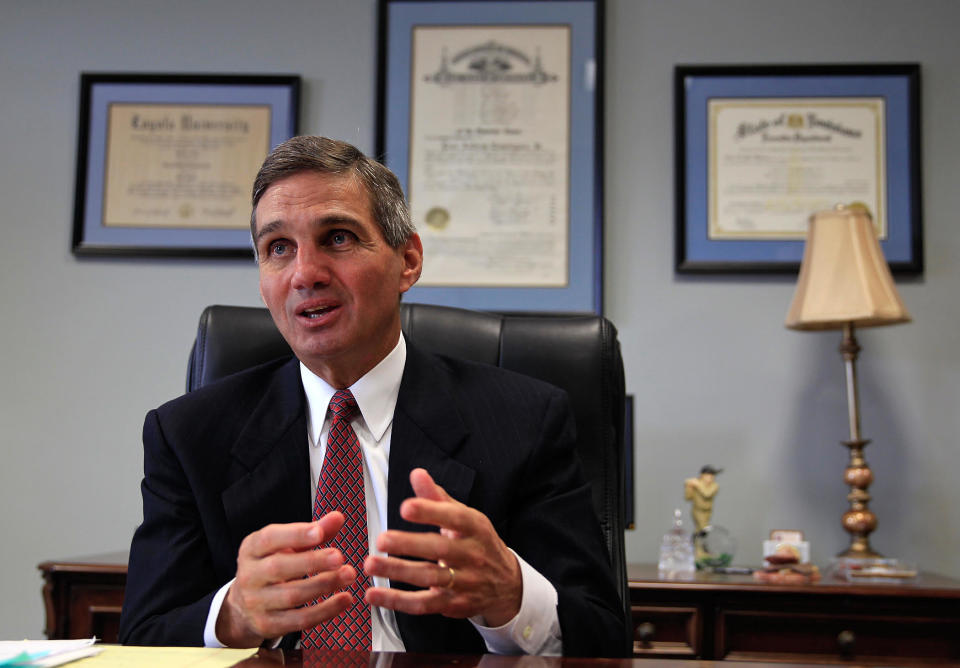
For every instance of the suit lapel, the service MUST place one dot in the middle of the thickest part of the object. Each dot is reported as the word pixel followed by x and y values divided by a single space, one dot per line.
pixel 427 432
pixel 270 463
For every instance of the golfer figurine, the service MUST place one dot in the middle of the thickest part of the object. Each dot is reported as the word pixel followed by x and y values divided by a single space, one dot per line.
pixel 700 491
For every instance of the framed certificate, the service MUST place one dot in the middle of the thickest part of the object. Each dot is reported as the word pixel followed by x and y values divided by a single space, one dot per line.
pixel 165 162
pixel 489 113
pixel 761 148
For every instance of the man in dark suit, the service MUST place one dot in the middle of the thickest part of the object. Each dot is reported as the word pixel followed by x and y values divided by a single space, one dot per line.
pixel 481 530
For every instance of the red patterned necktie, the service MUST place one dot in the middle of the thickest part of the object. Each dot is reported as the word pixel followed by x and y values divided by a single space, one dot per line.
pixel 341 488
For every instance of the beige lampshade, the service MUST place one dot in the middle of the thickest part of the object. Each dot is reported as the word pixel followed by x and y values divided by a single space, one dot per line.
pixel 844 277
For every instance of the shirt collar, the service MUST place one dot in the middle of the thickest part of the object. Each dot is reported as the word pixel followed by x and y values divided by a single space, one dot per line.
pixel 376 394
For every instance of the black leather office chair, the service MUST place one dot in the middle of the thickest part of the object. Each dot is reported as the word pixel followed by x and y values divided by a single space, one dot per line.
pixel 580 354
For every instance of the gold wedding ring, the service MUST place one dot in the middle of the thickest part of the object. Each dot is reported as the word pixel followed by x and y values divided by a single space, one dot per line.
pixel 453 574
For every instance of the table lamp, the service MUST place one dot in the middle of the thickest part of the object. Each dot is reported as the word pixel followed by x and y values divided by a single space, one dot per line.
pixel 845 283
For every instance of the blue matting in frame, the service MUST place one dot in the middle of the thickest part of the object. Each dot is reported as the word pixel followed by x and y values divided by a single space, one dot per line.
pixel 901 246
pixel 98 91
pixel 583 292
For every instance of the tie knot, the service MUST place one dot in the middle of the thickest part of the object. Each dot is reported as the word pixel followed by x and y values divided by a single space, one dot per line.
pixel 343 406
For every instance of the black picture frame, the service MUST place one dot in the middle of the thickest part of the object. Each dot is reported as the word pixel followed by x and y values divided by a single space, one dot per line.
pixel 184 176
pixel 583 290
pixel 699 90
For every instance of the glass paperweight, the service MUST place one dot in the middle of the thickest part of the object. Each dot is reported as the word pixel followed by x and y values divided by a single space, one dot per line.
pixel 714 547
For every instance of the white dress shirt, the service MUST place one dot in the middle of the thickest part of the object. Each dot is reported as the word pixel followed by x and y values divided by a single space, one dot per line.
pixel 535 629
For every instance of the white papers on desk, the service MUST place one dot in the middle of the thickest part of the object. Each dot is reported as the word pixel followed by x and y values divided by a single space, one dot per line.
pixel 45 652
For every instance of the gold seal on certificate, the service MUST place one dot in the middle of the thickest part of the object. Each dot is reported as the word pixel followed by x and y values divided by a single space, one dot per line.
pixel 437 218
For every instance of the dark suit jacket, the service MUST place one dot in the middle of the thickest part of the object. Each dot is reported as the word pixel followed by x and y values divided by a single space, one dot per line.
pixel 230 458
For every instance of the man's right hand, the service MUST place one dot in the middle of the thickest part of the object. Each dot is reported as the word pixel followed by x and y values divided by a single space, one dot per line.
pixel 279 575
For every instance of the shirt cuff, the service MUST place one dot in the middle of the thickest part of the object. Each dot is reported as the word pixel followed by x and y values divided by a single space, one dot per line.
pixel 210 628
pixel 536 628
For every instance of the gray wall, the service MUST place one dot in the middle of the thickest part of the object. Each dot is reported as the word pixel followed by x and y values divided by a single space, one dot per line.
pixel 90 345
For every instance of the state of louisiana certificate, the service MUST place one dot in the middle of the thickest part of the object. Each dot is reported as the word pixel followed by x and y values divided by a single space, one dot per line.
pixel 182 165
pixel 490 154
pixel 775 161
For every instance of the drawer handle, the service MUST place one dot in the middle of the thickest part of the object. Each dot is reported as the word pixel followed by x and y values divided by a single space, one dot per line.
pixel 847 641
pixel 645 632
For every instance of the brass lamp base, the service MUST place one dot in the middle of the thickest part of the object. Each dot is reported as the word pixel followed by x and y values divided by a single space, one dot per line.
pixel 859 521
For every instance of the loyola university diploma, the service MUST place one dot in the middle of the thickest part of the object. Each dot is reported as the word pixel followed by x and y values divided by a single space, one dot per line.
pixel 489 154
pixel 773 162
pixel 170 165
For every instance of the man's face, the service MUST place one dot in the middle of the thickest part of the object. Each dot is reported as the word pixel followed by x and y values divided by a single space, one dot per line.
pixel 330 280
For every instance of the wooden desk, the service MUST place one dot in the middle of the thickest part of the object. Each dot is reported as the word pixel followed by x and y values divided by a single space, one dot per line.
pixel 326 658
pixel 718 617
pixel 112 656
pixel 712 617
pixel 83 596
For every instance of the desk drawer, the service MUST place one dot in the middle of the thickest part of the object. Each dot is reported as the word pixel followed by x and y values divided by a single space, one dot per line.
pixel 767 635
pixel 95 611
pixel 667 630
pixel 81 605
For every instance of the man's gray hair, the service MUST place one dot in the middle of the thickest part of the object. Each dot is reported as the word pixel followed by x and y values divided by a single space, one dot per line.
pixel 329 156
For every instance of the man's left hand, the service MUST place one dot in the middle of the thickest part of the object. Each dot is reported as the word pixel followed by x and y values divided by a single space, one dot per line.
pixel 467 569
